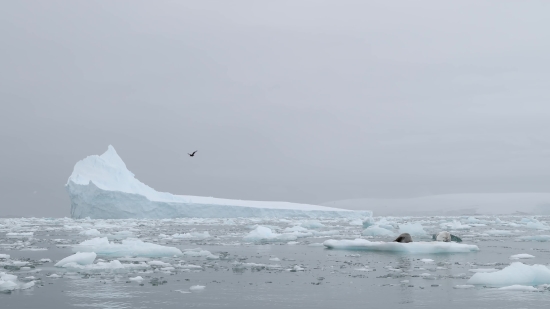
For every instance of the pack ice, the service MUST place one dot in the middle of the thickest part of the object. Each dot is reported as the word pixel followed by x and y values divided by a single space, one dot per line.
pixel 101 187
pixel 413 247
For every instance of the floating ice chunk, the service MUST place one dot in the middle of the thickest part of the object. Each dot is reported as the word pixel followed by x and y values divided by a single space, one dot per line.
pixel 427 260
pixel 296 229
pixel 384 223
pixel 193 235
pixel 159 264
pixel 9 282
pixel 137 278
pixel 464 286
pixel 366 269
pixel 4 256
pixel 499 232
pixel 7 285
pixel 517 287
pixel 483 270
pixel 190 266
pixel 541 238
pixel 516 273
pixel 197 288
pixel 275 259
pixel 521 256
pixel 473 220
pixel 368 222
pixel 312 224
pixel 262 233
pixel 113 266
pixel 415 229
pixel 375 230
pixel 91 232
pixel 413 247
pixel 537 225
pixel 356 222
pixel 45 260
pixel 81 258
pixel 198 252
pixel 13 234
pixel 455 225
pixel 128 247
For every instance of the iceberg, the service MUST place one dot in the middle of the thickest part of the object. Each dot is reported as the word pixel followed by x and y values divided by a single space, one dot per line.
pixel 128 247
pixel 101 187
pixel 515 274
pixel 412 247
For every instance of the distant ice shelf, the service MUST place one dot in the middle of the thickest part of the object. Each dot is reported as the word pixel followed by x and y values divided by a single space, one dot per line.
pixel 101 187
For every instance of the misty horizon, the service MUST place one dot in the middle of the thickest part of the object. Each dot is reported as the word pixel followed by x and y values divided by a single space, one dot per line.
pixel 306 102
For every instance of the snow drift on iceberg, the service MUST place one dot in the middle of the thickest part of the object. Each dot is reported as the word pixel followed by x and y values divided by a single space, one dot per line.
pixel 101 187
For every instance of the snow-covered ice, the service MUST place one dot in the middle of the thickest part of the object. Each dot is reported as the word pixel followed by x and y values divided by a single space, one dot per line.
pixel 375 230
pixel 521 256
pixel 262 233
pixel 128 247
pixel 102 187
pixel 413 247
pixel 516 273
pixel 81 258
pixel 517 287
pixel 413 228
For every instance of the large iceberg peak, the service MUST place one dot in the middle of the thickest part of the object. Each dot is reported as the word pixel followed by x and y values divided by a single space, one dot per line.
pixel 111 156
pixel 107 172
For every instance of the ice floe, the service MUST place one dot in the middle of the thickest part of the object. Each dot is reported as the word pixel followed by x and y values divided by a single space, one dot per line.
pixel 516 273
pixel 413 248
pixel 128 247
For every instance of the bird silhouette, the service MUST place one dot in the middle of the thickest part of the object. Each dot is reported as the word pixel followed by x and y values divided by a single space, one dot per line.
pixel 192 154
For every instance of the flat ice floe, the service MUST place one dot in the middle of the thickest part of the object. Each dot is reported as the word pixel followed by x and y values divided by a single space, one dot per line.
pixel 102 187
pixel 516 273
pixel 101 267
pixel 128 247
pixel 413 247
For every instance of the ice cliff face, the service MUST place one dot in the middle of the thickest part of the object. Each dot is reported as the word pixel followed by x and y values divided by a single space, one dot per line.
pixel 101 187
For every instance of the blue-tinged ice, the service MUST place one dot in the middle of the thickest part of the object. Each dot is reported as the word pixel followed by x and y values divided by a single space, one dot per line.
pixel 101 187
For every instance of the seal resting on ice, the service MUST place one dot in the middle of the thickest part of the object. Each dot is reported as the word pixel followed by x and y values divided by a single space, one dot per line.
pixel 404 238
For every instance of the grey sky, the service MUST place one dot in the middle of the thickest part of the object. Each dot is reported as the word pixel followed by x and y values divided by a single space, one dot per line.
pixel 305 101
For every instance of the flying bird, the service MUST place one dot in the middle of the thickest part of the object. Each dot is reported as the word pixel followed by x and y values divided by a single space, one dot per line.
pixel 192 154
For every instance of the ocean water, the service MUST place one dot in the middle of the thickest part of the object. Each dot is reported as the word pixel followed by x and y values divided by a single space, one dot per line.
pixel 275 274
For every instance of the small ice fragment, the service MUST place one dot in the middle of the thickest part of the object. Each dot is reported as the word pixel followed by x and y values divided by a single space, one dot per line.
pixel 137 278
pixel 464 286
pixel 91 232
pixel 197 288
pixel 521 256
pixel 517 287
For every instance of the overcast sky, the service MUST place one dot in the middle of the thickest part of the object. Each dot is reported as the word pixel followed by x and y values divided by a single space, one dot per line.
pixel 304 101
